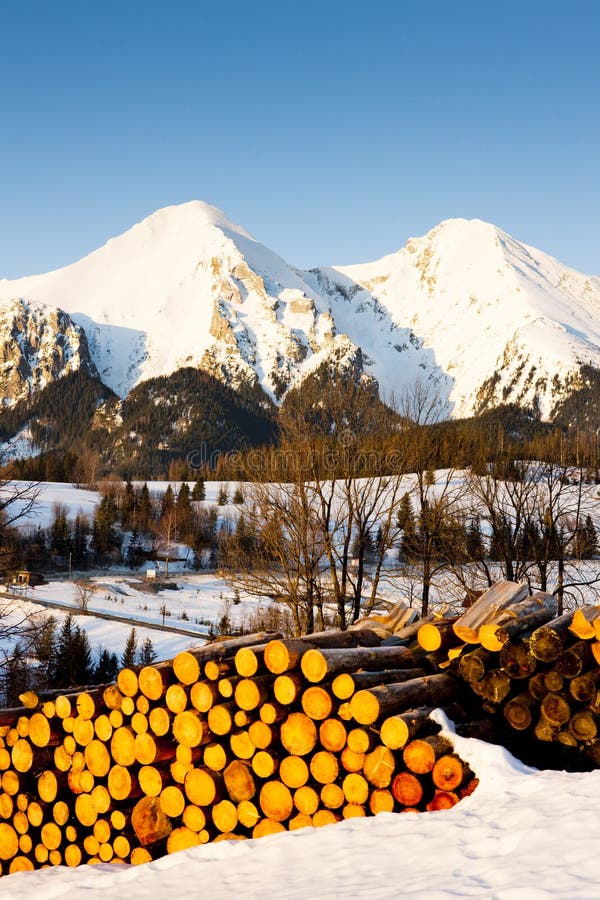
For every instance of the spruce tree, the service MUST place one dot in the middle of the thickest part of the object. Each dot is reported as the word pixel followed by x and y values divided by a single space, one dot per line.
pixel 16 676
pixel 44 646
pixel 73 656
pixel 168 501
pixel 106 667
pixel 199 491
pixel 184 510
pixel 128 658
pixel 145 508
pixel 147 653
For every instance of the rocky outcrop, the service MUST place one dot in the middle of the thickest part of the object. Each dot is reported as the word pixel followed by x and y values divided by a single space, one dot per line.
pixel 38 344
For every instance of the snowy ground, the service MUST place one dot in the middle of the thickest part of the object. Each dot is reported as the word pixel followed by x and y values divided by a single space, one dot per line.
pixel 523 835
pixel 199 603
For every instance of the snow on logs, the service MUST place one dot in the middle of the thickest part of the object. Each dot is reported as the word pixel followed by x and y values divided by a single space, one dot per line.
pixel 235 740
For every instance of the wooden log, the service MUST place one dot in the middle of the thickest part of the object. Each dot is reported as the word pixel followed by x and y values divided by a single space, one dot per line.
pixel 351 760
pixel 586 623
pixel 448 772
pixel 248 814
pixel 293 771
pixel 251 692
pixel 280 656
pixel 573 661
pixel 172 801
pixel 516 660
pixel 584 687
pixel 397 730
pixel 261 734
pixel 518 711
pixel 333 735
pixel 472 666
pixel 189 729
pixel 517 619
pixel 317 703
pixel 494 686
pixel 556 709
pixel 379 766
pixel 149 821
pixel 241 745
pixel 365 680
pixel 360 740
pixel 407 789
pixel 355 788
pixel 486 609
pixel 306 799
pixel 582 725
pixel 316 665
pixel 298 734
pixel 287 688
pixel 548 642
pixel 263 764
pixel 381 800
pixel 442 800
pixel 275 800
pixel 186 668
pixel 200 787
pixel 368 706
pixel 324 767
pixel 437 635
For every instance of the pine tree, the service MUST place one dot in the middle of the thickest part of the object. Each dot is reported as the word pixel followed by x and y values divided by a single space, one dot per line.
pixel 184 510
pixel 80 537
pixel 73 656
pixel 128 505
pixel 128 658
pixel 199 491
pixel 145 508
pixel 474 542
pixel 238 496
pixel 104 537
pixel 222 496
pixel 168 502
pixel 106 668
pixel 44 646
pixel 147 653
pixel 16 677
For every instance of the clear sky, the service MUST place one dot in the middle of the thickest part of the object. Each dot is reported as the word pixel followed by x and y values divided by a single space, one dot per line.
pixel 332 131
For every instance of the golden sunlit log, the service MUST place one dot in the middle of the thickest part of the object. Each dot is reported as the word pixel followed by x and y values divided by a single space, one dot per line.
pixel 486 608
pixel 282 655
pixel 369 705
pixel 317 665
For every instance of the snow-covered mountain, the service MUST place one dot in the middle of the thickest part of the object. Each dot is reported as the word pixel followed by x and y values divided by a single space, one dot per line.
pixel 486 318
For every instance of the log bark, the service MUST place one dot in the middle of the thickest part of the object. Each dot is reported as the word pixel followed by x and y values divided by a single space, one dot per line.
pixel 367 706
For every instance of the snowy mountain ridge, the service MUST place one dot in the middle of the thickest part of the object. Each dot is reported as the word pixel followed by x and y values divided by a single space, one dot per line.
pixel 485 318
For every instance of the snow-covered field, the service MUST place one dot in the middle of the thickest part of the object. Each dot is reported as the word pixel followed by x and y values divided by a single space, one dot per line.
pixel 523 835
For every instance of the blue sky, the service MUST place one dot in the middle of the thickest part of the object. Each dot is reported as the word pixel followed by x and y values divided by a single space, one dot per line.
pixel 331 130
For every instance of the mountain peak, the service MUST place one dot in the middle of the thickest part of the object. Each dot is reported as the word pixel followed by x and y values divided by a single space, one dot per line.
pixel 191 216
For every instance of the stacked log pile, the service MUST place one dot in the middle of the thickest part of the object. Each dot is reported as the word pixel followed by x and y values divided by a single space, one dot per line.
pixel 258 734
pixel 235 740
pixel 536 674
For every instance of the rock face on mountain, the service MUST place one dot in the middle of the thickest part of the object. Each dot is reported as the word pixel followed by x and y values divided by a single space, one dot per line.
pixel 38 344
pixel 482 317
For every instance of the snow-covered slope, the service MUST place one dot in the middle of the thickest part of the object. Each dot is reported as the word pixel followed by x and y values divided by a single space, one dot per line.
pixel 486 318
